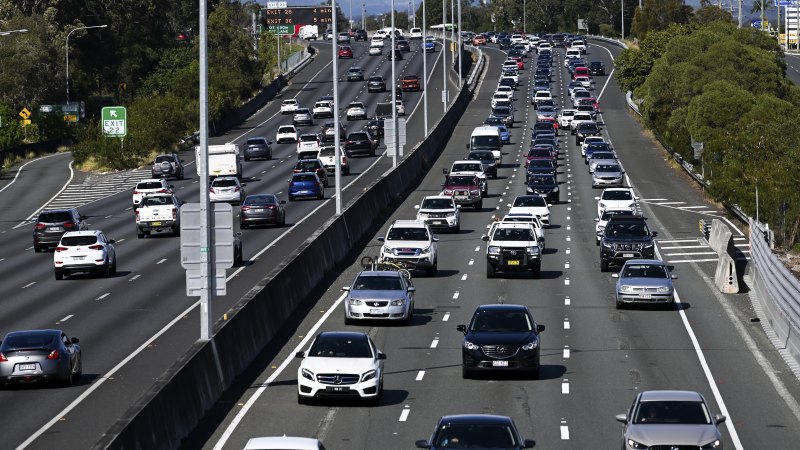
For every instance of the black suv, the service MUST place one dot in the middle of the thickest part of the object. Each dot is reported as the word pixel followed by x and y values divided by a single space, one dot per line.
pixel 544 185
pixel 167 165
pixel 625 237
pixel 361 35
pixel 257 147
pixel 52 224
pixel 360 142
pixel 586 129
pixel 597 68
pixel 376 84
pixel 375 129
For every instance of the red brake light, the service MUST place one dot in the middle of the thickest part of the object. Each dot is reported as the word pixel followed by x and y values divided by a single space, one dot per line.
pixel 245 208
pixel 135 192
pixel 270 206
pixel 174 213
pixel 61 249
pixel 96 247
pixel 53 354
pixel 236 189
pixel 163 191
pixel 211 190
pixel 3 358
pixel 40 226
pixel 291 183
pixel 69 224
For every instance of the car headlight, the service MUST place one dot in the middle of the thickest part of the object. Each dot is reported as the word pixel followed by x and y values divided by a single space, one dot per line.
pixel 474 192
pixel 531 345
pixel 602 205
pixel 355 302
pixel 647 245
pixel 470 346
pixel 426 249
pixel 307 374
pixel 663 289
pixel 529 190
pixel 555 189
pixel 607 245
pixel 625 288
pixel 494 250
pixel 386 249
pixel 398 302
pixel 634 444
pixel 716 443
pixel 533 250
pixel 368 375
pixel 448 192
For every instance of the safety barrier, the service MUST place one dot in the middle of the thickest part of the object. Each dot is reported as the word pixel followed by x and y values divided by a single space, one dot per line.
pixel 721 241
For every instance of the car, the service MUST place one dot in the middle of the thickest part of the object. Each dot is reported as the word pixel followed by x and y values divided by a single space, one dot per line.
pixel 327 155
pixel 345 52
pixel 413 242
pixel 544 185
pixel 625 238
pixel 283 442
pixel 475 431
pixel 596 147
pixel 504 43
pixel 257 147
pixel 167 165
pixel 577 95
pixel 305 184
pixel 487 159
pixel 150 186
pixel 505 114
pixel 410 83
pixel 355 74
pixel 474 167
pixel 376 84
pixel 546 112
pixel 585 129
pixel 51 224
pixel 578 118
pixel 510 64
pixel 32 356
pixel 439 211
pixel 585 81
pixel 540 167
pixel 565 117
pixel 402 45
pixel 597 68
pixel 532 204
pixel 616 198
pixel 512 247
pixel 328 35
pixel 343 37
pixel 356 111
pixel 160 212
pixel 479 39
pixel 226 189
pixel 286 133
pixel 379 295
pixel 341 364
pixel 375 129
pixel 645 282
pixel 670 420
pixel 501 338
pixel 602 221
pixel 505 134
pixel 608 175
pixel 377 41
pixel 596 158
pixel 360 142
pixel 430 44
pixel 511 73
pixel 415 33
pixel 322 109
pixel 302 116
pixel 308 145
pixel 289 106
pixel 312 165
pixel 464 189
pixel 361 35
pixel 396 54
pixel 375 50
pixel 262 209
pixel 538 96
pixel 327 132
pixel 589 140
pixel 84 251
pixel 498 96
pixel 401 109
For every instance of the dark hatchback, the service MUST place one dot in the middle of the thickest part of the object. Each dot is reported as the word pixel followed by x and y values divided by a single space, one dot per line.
pixel 360 142
pixel 257 147
pixel 313 166
pixel 52 224
pixel 597 68
pixel 624 238
pixel 586 129
pixel 262 209
pixel 544 185
pixel 501 338
pixel 376 84
pixel 505 114
pixel 402 45
pixel 476 431
pixel 486 157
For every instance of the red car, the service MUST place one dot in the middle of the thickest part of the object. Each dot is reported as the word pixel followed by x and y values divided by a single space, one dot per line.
pixel 580 72
pixel 590 101
pixel 479 40
pixel 465 190
pixel 539 153
pixel 520 62
pixel 345 52
pixel 410 83
pixel 552 120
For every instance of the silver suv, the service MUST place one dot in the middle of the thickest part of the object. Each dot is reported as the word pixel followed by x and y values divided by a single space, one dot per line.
pixel 412 242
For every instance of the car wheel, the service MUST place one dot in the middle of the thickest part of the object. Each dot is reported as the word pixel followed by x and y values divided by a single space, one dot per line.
pixel 139 235
pixel 70 380
pixel 535 373
pixel 79 372
pixel 243 226
pixel 176 231
pixel 603 266
pixel 465 373
pixel 669 306
pixel 489 271
pixel 114 266
pixel 59 274
pixel 106 270
pixel 619 304
pixel 479 206
pixel 291 198
pixel 457 229
pixel 431 272
pixel 247 158
pixel 301 400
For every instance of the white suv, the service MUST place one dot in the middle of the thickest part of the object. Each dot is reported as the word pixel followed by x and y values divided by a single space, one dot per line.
pixel 84 251
pixel 286 133
pixel 340 364
pixel 289 106
pixel 439 211
pixel 322 109
pixel 415 33
pixel 470 167
pixel 410 241
pixel 150 186
pixel 617 198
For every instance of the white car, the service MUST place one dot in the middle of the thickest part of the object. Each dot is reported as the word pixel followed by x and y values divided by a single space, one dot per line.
pixel 578 95
pixel 538 96
pixel 289 106
pixel 616 198
pixel 517 38
pixel 415 33
pixel 84 251
pixel 473 168
pixel 509 64
pixel 579 117
pixel 532 204
pixel 585 81
pixel 322 109
pixel 283 443
pixel 513 74
pixel 410 241
pixel 377 41
pixel 527 218
pixel 507 90
pixel 150 186
pixel 590 140
pixel 544 46
pixel 565 118
pixel 307 144
pixel 340 364
pixel 439 211
pixel 226 189
pixel 356 110
pixel 375 50
pixel 401 109
pixel 499 97
pixel 286 133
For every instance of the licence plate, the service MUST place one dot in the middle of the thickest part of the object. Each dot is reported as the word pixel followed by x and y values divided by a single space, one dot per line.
pixel 461 197
pixel 26 367
pixel 78 258
pixel 627 255
pixel 438 222
pixel 53 228
pixel 155 224
pixel 499 363
pixel 337 388
pixel 645 296
pixel 375 311
pixel 258 210
pixel 513 262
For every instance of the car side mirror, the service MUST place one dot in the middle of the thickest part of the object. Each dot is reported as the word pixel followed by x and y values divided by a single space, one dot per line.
pixel 539 328
pixel 485 238
pixel 346 288
pixel 282 202
pixel 597 219
pixel 622 418
pixel 381 355
pixel 182 161
pixel 529 443
pixel 674 277
pixel 412 289
pixel 462 328
pixel 111 241
pixel 467 146
pixel 435 239
pixel 458 206
pixel 300 354
pixel 614 275
pixel 416 206
pixel 422 444
pixel 381 239
pixel 75 340
pixel 719 418
pixel 447 171
pixel 654 233
pixel 597 198
pixel 84 217
pixel 244 184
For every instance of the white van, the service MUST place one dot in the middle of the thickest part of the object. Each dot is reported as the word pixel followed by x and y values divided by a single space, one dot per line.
pixel 223 161
pixel 415 33
pixel 571 53
pixel 487 137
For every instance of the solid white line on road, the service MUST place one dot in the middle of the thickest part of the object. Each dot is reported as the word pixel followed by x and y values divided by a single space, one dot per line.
pixel 120 240
pixel 67 318
pixel 103 296
pixel 669 203
pixel 435 343
pixel 455 295
pixel 674 261
pixel 477 249
pixel 566 323
pixel 672 241
pixel 135 277
pixel 129 208
pixel 108 216
pixel 688 253
pixel 653 199
pixel 405 413
pixel 463 277
pixel 29 285
pixel 420 375
pixel 446 317
pixel 161 261
pixel 566 281
pixel 565 386
pixel 23 166
pixel 694 207
pixel 568 251
pixel 674 247
pixel 564 432
pixel 71 175
pixel 29 248
pixel 565 353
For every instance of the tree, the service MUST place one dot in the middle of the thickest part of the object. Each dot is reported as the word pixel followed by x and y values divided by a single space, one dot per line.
pixel 709 12
pixel 658 15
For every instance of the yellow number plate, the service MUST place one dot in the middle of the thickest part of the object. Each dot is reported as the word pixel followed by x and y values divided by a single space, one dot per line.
pixel 513 262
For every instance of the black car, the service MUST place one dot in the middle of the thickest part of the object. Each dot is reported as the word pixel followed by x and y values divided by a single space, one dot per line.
pixel 597 68
pixel 262 209
pixel 360 142
pixel 501 338
pixel 543 72
pixel 509 82
pixel 376 84
pixel 544 185
pixel 397 54
pixel 257 147
pixel 505 114
pixel 540 167
pixel 543 126
pixel 167 165
pixel 52 224
pixel 586 129
pixel 375 129
pixel 596 147
pixel 476 431
pixel 402 45
pixel 487 160
pixel 624 238
pixel 504 43
pixel 327 133
pixel 361 35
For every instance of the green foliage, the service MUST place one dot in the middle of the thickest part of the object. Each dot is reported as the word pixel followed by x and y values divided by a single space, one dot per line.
pixel 607 30
pixel 11 133
pixel 658 15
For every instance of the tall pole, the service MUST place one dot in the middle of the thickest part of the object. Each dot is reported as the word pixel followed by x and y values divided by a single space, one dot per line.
pixel 350 17
pixel 364 16
pixel 444 55
pixel 337 152
pixel 525 16
pixel 278 40
pixel 460 52
pixel 622 14
pixel 414 12
pixel 740 13
pixel 396 133
pixel 207 268
pixel 66 47
pixel 424 70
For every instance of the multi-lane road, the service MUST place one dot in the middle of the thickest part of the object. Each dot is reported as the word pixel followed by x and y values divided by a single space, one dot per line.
pixel 595 358
pixel 134 325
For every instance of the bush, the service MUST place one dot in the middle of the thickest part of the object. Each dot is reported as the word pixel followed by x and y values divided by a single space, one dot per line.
pixel 607 30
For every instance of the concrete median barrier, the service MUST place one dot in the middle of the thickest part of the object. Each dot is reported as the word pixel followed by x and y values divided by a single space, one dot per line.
pixel 720 240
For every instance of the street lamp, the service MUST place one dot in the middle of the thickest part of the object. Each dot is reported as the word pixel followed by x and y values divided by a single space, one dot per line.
pixel 6 33
pixel 66 50
pixel 425 68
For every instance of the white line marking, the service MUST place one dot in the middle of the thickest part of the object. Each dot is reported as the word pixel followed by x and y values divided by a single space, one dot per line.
pixel 67 318
pixel 569 238
pixel 455 295
pixel 564 433
pixel 694 207
pixel 463 277
pixel 566 324
pixel 566 265
pixel 29 285
pixel 567 251
pixel 672 241
pixel 567 301
pixel 161 261
pixel 688 253
pixel 23 166
pixel 675 261
pixel 668 203
pixel 446 317
pixel 565 387
pixel 477 249
pixel 405 413
pixel 566 352
pixel 135 277
pixel 674 247
pixel 566 281
pixel 420 375
pixel 471 262
pixel 435 343
pixel 103 296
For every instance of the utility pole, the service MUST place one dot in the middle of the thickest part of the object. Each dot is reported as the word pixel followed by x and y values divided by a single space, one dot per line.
pixel 396 133
pixel 207 269
pixel 460 52
pixel 622 13
pixel 740 13
pixel 337 151
pixel 424 70
pixel 444 55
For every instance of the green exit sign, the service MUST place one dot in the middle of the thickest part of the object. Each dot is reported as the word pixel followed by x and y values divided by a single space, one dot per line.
pixel 281 29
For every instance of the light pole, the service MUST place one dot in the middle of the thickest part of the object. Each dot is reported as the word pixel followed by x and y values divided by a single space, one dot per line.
pixel 66 50
pixel 396 132
pixel 525 16
pixel 444 56
pixel 424 70
pixel 207 269
pixel 622 14
pixel 6 33
pixel 460 52
pixel 337 152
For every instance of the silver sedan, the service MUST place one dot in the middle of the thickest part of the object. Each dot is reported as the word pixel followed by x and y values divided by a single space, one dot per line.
pixel 38 356
pixel 379 295
pixel 645 281
pixel 608 175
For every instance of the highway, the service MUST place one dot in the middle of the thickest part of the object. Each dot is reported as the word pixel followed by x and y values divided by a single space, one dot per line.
pixel 134 325
pixel 595 358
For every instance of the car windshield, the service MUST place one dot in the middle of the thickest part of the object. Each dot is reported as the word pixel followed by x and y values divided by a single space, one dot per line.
pixel 29 340
pixel 437 203
pixel 256 141
pixel 358 137
pixel 461 435
pixel 286 130
pixel 481 156
pixel 529 200
pixel 376 79
pixel 308 138
pixel 354 70
pixel 501 321
pixel 617 195
pixel 260 200
pixel 644 271
pixel 149 185
pixel 461 181
pixel 607 168
pixel 602 155
pixel 513 234
pixel 541 163
pixel 541 181
pixel 304 177
pixel 546 109
pixel 307 166
pixel 53 217
pixel 327 151
pixel 377 283
pixel 340 347
pixel 74 241
pixel 225 182
pixel 543 126
pixel 302 111
pixel 356 105
pixel 539 153
pixel 467 167
pixel 485 142
pixel 157 201
pixel 672 413
pixel 587 127
pixel 614 212
pixel 635 229
pixel 501 111
pixel 407 234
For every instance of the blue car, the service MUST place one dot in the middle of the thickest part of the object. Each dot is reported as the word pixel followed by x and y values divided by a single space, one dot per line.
pixel 305 184
pixel 430 45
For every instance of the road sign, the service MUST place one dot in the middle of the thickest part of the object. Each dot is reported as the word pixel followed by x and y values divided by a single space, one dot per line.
pixel 25 113
pixel 303 15
pixel 114 120
pixel 273 5
pixel 222 237
pixel 25 122
pixel 786 2
pixel 70 118
pixel 281 29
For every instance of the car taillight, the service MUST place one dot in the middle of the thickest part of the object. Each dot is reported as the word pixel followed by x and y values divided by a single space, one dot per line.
pixel 291 183
pixel 96 247
pixel 174 214
pixel 61 249
pixel 270 206
pixel 136 192
pixel 40 226
pixel 344 159
pixel 163 191
pixel 3 358
pixel 68 224
pixel 211 190
pixel 236 189
pixel 53 354
pixel 349 142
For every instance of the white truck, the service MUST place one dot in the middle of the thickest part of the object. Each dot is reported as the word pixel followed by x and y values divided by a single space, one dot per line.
pixel 512 247
pixel 308 32
pixel 159 212
pixel 223 161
